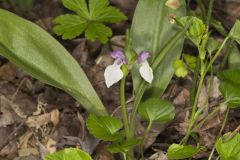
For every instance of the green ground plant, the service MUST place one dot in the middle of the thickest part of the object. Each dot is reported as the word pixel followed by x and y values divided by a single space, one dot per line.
pixel 40 55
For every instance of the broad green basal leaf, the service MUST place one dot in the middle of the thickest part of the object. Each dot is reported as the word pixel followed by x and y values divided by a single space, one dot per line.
pixel 212 45
pixel 105 127
pixel 157 110
pixel 176 151
pixel 69 154
pixel 235 31
pixel 40 55
pixel 151 31
pixel 229 150
pixel 234 57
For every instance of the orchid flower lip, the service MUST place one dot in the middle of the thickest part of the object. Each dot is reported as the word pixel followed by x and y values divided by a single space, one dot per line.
pixel 143 56
pixel 118 55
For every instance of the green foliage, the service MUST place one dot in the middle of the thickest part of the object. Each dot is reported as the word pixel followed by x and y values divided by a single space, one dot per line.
pixel 176 151
pixel 154 34
pixel 212 45
pixel 157 110
pixel 40 55
pixel 234 57
pixel 89 19
pixel 196 30
pixel 191 61
pixel 180 68
pixel 124 147
pixel 105 127
pixel 229 87
pixel 229 150
pixel 69 154
pixel 235 31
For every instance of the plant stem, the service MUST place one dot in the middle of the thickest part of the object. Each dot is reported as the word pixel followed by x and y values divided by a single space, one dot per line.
pixel 220 133
pixel 144 137
pixel 209 14
pixel 216 55
pixel 123 106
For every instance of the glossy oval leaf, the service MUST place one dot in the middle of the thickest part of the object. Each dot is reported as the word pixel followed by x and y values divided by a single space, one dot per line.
pixel 229 150
pixel 177 151
pixel 68 154
pixel 151 31
pixel 104 127
pixel 40 55
pixel 157 110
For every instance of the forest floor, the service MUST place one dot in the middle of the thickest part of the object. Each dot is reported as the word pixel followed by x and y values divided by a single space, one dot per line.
pixel 36 118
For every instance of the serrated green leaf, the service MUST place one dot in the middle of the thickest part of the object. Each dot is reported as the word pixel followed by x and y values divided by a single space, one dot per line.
pixel 152 31
pixel 176 151
pixel 124 147
pixel 111 15
pixel 157 110
pixel 196 30
pixel 105 128
pixel 235 31
pixel 212 45
pixel 89 20
pixel 229 150
pixel 180 68
pixel 191 61
pixel 69 26
pixel 78 6
pixel 40 55
pixel 231 94
pixel 98 31
pixel 68 154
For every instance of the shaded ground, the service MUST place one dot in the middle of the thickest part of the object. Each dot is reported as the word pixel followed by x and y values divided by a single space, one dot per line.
pixel 36 119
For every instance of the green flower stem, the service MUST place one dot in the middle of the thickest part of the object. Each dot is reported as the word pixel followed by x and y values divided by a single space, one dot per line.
pixel 123 106
pixel 193 117
pixel 220 133
pixel 144 138
pixel 216 55
pixel 199 125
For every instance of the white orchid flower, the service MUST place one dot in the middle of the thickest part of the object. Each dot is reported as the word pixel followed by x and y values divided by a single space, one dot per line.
pixel 113 73
pixel 145 70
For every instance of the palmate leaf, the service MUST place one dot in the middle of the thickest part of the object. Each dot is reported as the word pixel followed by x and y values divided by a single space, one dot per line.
pixel 40 55
pixel 68 154
pixel 89 20
pixel 104 127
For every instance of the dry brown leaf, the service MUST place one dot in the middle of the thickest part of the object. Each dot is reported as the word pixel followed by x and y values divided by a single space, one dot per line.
pixel 159 155
pixel 51 145
pixel 27 152
pixel 23 140
pixel 38 121
pixel 55 117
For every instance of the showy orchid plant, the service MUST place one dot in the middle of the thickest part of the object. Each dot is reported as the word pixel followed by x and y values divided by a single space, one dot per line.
pixel 113 73
pixel 152 55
